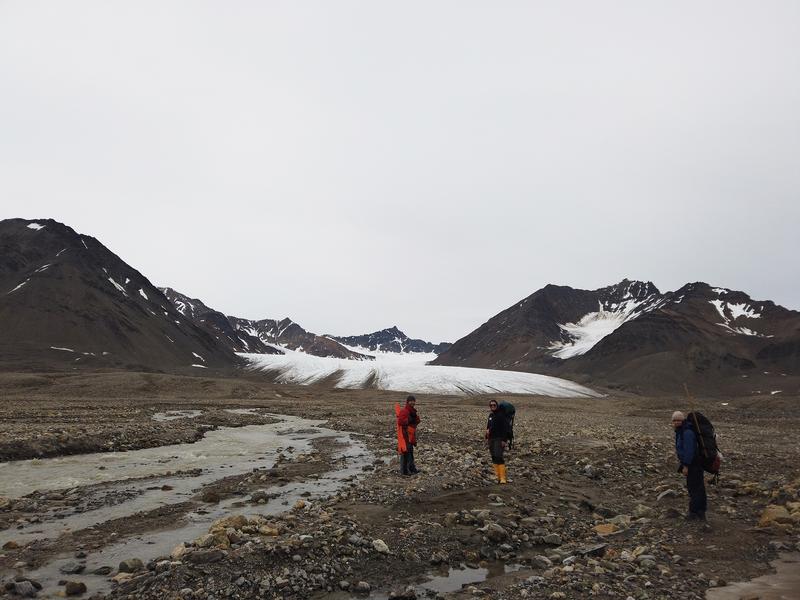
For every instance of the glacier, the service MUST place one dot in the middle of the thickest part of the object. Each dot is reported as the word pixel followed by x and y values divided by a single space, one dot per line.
pixel 409 373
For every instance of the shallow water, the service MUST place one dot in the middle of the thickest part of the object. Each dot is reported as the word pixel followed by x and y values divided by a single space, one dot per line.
pixel 225 447
pixel 172 415
pixel 445 580
pixel 784 584
pixel 221 453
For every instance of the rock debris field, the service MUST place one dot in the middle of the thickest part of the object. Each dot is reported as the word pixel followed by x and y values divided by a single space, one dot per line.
pixel 297 494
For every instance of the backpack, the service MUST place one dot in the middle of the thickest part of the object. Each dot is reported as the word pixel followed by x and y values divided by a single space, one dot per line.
pixel 509 411
pixel 710 455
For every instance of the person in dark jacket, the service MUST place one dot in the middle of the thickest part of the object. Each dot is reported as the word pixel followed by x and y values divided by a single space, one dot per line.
pixel 497 435
pixel 690 466
pixel 407 421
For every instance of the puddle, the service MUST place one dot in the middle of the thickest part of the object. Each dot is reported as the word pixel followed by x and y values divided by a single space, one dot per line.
pixel 446 579
pixel 243 411
pixel 172 415
pixel 784 584
pixel 221 453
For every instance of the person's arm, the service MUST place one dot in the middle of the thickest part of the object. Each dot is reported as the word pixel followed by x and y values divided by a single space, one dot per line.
pixel 688 442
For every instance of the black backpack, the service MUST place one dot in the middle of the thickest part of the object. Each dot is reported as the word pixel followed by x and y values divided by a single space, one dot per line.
pixel 706 441
pixel 509 411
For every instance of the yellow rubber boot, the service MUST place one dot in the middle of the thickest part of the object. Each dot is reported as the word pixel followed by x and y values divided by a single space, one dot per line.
pixel 497 472
pixel 502 473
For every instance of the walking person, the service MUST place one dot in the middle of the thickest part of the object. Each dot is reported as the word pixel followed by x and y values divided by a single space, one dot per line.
pixel 691 466
pixel 407 421
pixel 497 436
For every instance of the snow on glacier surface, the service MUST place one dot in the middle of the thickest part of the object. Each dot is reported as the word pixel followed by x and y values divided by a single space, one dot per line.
pixel 35 226
pixel 592 328
pixel 409 373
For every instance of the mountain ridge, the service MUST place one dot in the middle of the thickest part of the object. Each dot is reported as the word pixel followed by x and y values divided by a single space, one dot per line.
pixel 632 336
pixel 391 339
pixel 66 299
pixel 258 336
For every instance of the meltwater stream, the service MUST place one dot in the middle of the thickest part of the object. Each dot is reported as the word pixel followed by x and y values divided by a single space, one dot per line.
pixel 181 470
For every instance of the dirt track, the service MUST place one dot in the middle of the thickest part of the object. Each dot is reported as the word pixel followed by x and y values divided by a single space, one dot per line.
pixel 577 465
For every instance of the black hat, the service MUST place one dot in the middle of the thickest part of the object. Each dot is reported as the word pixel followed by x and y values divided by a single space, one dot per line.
pixel 410 398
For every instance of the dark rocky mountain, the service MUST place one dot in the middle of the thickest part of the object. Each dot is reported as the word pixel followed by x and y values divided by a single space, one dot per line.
pixel 391 340
pixel 632 336
pixel 247 335
pixel 66 299
pixel 217 324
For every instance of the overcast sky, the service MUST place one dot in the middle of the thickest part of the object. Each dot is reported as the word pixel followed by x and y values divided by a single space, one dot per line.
pixel 356 165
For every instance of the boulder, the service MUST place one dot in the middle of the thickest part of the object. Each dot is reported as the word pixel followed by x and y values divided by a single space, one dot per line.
pixel 132 565
pixel 775 513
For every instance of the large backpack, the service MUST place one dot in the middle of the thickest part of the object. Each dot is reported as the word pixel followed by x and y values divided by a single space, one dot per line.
pixel 509 411
pixel 710 456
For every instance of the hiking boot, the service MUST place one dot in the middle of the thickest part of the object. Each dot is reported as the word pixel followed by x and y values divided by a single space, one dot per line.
pixel 691 516
pixel 502 473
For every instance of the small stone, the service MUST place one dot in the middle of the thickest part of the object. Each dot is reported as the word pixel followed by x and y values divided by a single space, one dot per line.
pixel 496 533
pixel 380 546
pixel 178 552
pixel 362 587
pixel 10 545
pixel 553 539
pixel 667 494
pixel 132 565
pixel 205 541
pixel 344 585
pixel 542 562
pixel 106 570
pixel 74 588
pixel 72 568
pixel 605 528
pixel 24 589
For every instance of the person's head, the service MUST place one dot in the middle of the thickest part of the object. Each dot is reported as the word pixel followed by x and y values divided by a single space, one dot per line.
pixel 677 419
pixel 493 405
pixel 411 401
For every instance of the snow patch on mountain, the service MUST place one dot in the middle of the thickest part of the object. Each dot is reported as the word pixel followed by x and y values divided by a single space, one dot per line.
pixel 593 327
pixel 19 286
pixel 35 226
pixel 118 286
pixel 730 312
pixel 409 373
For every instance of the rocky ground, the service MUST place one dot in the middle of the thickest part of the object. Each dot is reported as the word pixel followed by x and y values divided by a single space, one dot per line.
pixel 593 509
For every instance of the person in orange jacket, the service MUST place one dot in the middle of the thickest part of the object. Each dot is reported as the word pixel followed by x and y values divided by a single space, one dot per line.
pixel 407 421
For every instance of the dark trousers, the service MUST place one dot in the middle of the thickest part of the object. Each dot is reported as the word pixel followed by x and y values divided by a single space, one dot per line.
pixel 496 450
pixel 407 464
pixel 696 484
